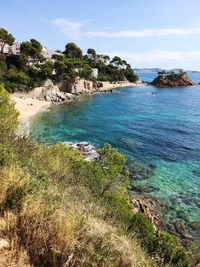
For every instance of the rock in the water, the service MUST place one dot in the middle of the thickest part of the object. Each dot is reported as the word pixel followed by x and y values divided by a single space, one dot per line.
pixel 181 230
pixel 144 188
pixel 4 244
pixel 195 229
pixel 151 208
pixel 172 80
pixel 88 151
pixel 182 215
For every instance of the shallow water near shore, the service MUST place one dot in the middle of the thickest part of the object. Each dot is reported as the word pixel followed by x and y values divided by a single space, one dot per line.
pixel 157 127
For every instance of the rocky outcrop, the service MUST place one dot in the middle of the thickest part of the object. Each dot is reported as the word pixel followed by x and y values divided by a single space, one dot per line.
pixel 151 208
pixel 80 86
pixel 88 151
pixel 173 80
pixel 50 92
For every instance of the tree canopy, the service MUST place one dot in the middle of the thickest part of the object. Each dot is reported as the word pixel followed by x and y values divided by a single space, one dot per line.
pixel 5 38
pixel 30 68
pixel 32 49
pixel 73 51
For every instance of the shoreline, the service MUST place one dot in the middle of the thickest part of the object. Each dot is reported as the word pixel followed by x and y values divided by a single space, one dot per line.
pixel 28 105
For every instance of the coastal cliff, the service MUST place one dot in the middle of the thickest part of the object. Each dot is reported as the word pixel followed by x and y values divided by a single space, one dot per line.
pixel 68 89
pixel 172 79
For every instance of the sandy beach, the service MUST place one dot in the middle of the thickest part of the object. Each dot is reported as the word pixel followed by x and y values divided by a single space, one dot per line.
pixel 108 85
pixel 28 107
pixel 28 104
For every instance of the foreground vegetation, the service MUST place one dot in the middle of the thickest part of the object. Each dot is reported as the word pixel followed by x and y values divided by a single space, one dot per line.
pixel 30 68
pixel 65 211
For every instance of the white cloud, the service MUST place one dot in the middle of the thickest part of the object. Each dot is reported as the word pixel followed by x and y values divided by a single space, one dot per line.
pixel 71 28
pixel 162 58
pixel 144 33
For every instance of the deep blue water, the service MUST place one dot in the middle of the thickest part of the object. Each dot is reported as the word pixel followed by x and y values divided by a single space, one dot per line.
pixel 148 77
pixel 160 129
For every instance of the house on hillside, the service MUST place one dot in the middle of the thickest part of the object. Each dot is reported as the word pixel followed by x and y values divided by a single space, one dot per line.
pixel 48 53
pixel 12 49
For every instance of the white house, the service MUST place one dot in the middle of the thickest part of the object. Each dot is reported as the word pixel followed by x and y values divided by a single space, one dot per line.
pixel 48 53
pixel 95 73
pixel 12 49
pixel 15 48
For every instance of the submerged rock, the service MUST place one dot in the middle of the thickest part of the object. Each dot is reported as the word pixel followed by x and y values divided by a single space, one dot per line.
pixel 182 215
pixel 139 172
pixel 144 188
pixel 181 230
pixel 88 151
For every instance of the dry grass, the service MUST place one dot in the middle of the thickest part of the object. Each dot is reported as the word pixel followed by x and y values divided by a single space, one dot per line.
pixel 61 228
pixel 14 258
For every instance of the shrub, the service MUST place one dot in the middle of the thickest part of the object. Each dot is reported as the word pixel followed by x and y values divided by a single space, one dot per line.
pixel 162 244
pixel 8 126
pixel 16 76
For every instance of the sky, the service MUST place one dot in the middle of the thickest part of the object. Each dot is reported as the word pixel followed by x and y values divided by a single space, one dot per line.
pixel 146 33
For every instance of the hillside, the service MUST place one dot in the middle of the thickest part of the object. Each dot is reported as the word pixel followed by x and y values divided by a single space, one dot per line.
pixel 59 210
pixel 32 64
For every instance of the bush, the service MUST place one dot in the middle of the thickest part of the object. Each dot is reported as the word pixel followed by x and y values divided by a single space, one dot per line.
pixel 162 244
pixel 15 76
pixel 8 126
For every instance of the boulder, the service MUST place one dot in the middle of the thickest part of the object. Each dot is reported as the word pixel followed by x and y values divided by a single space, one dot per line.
pixel 181 230
pixel 173 80
pixel 151 208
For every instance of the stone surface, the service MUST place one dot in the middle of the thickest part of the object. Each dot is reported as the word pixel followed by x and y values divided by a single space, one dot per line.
pixel 151 208
pixel 4 244
pixel 88 151
pixel 172 80
pixel 144 188
pixel 181 230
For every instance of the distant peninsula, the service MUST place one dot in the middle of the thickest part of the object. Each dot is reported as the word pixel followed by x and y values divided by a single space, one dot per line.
pixel 172 79
pixel 156 70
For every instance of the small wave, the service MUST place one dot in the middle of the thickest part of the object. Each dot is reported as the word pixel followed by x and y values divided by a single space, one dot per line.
pixel 88 150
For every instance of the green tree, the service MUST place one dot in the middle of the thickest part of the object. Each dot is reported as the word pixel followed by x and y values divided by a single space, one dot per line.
pixel 46 70
pixel 59 67
pixel 5 38
pixel 91 51
pixel 73 51
pixel 9 123
pixel 32 49
pixel 86 72
pixel 8 115
pixel 116 61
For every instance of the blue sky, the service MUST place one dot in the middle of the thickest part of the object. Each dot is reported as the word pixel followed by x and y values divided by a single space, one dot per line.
pixel 148 33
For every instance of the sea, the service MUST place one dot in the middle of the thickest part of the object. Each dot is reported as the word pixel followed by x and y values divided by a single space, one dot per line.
pixel 155 127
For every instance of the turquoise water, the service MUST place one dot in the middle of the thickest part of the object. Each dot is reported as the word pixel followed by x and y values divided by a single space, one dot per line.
pixel 161 130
